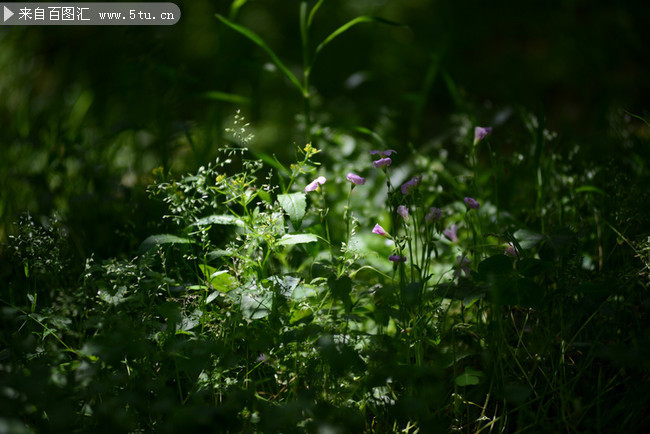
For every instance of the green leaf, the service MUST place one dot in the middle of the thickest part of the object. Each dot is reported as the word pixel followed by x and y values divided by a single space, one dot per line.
pixel 494 265
pixel 156 240
pixel 295 205
pixel 347 26
pixel 469 378
pixel 255 305
pixel 219 219
pixel 528 239
pixel 590 189
pixel 253 37
pixel 291 239
pixel 227 97
pixel 218 279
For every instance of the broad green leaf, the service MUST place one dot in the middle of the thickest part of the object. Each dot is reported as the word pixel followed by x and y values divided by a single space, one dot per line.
pixel 156 240
pixel 494 265
pixel 220 280
pixel 253 37
pixel 298 315
pixel 469 378
pixel 255 305
pixel 227 97
pixel 295 205
pixel 528 239
pixel 219 219
pixel 291 239
pixel 347 26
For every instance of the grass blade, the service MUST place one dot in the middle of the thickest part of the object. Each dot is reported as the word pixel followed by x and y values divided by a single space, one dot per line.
pixel 227 97
pixel 347 26
pixel 253 37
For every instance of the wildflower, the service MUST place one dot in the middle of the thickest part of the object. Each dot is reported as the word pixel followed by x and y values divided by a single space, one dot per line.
pixel 315 183
pixel 433 214
pixel 463 266
pixel 380 231
pixel 397 258
pixel 411 184
pixel 382 162
pixel 471 203
pixel 355 179
pixel 385 153
pixel 480 133
pixel 451 233
pixel 403 211
pixel 511 251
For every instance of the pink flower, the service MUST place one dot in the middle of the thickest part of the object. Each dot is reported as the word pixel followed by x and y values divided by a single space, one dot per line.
pixel 434 214
pixel 411 184
pixel 480 133
pixel 397 258
pixel 385 153
pixel 471 203
pixel 511 251
pixel 463 266
pixel 315 183
pixel 451 233
pixel 355 179
pixel 380 231
pixel 403 211
pixel 382 162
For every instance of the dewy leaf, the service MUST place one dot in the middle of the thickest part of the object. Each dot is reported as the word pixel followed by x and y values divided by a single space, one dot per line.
pixel 295 205
pixel 253 37
pixel 291 239
pixel 156 240
pixel 345 27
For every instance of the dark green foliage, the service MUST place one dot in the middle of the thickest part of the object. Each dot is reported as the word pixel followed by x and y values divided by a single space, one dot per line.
pixel 233 299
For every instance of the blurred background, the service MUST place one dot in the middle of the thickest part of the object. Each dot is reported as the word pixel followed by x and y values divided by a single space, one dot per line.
pixel 86 113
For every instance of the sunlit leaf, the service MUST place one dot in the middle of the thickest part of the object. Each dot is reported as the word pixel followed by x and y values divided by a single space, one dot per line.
pixel 294 205
pixel 156 240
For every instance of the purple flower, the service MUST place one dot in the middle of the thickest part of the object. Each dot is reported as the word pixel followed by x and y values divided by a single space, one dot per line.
pixel 315 183
pixel 397 258
pixel 380 231
pixel 403 211
pixel 471 203
pixel 411 184
pixel 355 179
pixel 511 251
pixel 451 233
pixel 434 214
pixel 463 266
pixel 480 133
pixel 382 162
pixel 384 153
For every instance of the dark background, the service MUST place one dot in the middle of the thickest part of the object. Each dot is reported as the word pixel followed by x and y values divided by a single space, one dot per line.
pixel 86 113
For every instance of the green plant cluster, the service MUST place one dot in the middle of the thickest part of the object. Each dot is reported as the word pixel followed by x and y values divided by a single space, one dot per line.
pixel 453 285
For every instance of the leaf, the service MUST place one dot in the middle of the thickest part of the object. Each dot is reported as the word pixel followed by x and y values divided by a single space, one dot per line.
pixel 347 26
pixel 218 279
pixel 590 189
pixel 211 297
pixel 156 240
pixel 255 305
pixel 469 378
pixel 494 265
pixel 528 239
pixel 295 205
pixel 291 239
pixel 253 37
pixel 219 219
pixel 227 97
pixel 286 284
